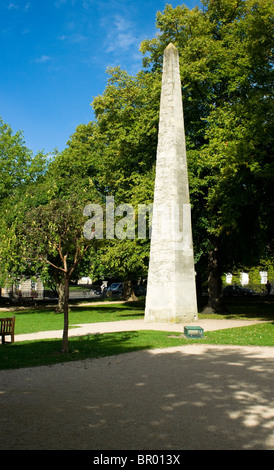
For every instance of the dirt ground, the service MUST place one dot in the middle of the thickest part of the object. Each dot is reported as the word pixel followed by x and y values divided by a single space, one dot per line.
pixel 190 397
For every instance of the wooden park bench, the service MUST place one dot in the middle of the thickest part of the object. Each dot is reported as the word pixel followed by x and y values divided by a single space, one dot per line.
pixel 7 328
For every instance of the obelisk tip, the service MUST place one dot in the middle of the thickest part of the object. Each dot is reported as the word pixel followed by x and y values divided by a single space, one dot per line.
pixel 171 46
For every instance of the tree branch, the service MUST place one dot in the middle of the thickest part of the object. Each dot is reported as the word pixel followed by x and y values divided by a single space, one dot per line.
pixel 53 265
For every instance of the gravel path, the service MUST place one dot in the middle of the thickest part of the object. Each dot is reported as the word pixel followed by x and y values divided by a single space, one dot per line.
pixel 190 397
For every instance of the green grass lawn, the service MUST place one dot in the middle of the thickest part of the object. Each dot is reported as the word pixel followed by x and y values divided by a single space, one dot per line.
pixel 46 352
pixel 37 319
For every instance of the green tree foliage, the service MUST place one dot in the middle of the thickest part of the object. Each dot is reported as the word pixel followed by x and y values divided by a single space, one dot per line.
pixel 115 156
pixel 18 169
pixel 15 159
pixel 127 124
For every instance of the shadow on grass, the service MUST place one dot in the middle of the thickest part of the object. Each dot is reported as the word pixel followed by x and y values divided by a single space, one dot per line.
pixel 103 308
pixel 47 352
pixel 254 307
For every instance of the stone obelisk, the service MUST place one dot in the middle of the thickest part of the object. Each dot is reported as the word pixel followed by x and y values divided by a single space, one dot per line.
pixel 171 291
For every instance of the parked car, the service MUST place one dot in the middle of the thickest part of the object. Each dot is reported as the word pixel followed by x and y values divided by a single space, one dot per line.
pixel 116 288
pixel 237 290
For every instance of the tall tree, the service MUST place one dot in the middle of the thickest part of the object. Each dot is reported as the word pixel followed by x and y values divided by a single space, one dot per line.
pixel 52 235
pixel 42 215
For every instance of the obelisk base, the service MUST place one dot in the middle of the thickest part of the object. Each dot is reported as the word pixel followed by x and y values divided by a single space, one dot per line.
pixel 165 307
pixel 169 316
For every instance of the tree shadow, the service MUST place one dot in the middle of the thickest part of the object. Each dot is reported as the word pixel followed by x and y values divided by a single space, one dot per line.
pixel 248 307
pixel 48 351
pixel 103 309
pixel 207 397
pixel 257 306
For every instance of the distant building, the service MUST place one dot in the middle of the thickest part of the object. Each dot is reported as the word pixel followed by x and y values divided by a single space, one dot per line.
pixel 244 278
pixel 25 288
pixel 84 281
pixel 263 275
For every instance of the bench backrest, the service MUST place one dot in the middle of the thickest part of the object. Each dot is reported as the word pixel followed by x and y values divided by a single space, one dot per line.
pixel 7 325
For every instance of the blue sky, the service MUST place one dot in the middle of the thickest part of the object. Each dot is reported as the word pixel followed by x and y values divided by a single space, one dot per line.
pixel 54 55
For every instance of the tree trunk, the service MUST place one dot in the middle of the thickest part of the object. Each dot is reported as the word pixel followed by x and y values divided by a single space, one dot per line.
pixel 215 300
pixel 61 296
pixel 65 348
pixel 128 291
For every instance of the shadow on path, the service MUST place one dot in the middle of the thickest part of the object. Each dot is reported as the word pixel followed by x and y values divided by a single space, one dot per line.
pixel 190 397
